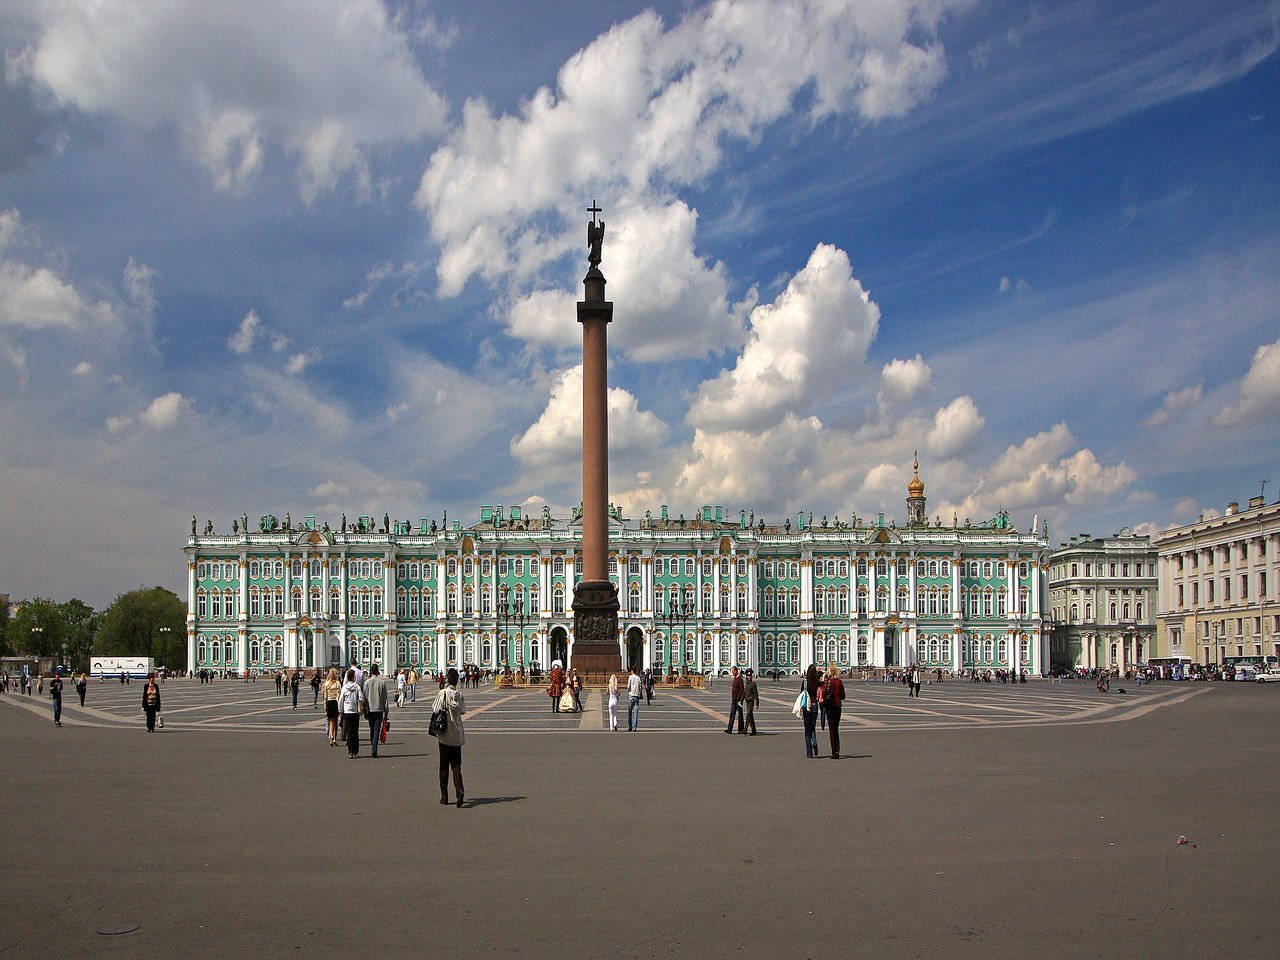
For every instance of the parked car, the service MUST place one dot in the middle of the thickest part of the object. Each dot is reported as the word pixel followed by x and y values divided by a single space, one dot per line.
pixel 1269 675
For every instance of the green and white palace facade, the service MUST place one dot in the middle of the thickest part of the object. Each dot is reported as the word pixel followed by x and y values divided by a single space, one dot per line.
pixel 697 595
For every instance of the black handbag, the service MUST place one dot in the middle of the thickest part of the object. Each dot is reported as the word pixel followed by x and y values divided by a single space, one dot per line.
pixel 439 720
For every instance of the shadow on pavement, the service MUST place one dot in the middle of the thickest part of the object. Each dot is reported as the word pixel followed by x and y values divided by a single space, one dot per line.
pixel 481 801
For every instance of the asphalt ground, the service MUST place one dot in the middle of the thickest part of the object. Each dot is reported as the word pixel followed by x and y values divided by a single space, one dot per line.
pixel 1047 836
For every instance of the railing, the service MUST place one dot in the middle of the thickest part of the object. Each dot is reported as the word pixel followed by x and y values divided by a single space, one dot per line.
pixel 522 680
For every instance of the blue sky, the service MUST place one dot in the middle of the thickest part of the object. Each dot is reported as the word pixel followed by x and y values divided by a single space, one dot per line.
pixel 322 258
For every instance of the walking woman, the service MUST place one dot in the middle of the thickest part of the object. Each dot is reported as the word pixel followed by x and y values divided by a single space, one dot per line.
pixel 449 699
pixel 331 690
pixel 833 697
pixel 613 702
pixel 352 698
pixel 151 702
pixel 812 680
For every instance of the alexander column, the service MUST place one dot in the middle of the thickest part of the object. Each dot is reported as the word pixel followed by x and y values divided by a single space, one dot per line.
pixel 595 598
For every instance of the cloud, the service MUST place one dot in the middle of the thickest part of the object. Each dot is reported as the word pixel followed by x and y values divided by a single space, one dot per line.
pixel 1175 401
pixel 299 362
pixel 1259 390
pixel 83 368
pixel 808 343
pixel 741 466
pixel 242 340
pixel 36 298
pixel 118 424
pixel 554 440
pixel 1018 287
pixel 163 411
pixel 902 380
pixel 324 83
pixel 645 107
pixel 955 428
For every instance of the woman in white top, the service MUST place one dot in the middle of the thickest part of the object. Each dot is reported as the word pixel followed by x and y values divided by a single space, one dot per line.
pixel 350 700
pixel 613 701
pixel 451 739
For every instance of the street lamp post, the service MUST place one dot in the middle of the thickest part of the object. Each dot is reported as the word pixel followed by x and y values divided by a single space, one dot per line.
pixel 507 615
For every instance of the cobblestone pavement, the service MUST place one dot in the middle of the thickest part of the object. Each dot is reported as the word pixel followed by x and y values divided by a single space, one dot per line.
pixel 236 705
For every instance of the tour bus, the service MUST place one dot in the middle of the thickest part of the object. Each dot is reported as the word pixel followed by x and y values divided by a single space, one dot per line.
pixel 111 667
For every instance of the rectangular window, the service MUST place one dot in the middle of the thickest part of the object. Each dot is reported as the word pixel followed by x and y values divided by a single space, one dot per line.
pixel 1244 586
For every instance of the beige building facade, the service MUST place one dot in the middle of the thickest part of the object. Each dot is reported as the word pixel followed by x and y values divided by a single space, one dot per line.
pixel 1102 592
pixel 1218 587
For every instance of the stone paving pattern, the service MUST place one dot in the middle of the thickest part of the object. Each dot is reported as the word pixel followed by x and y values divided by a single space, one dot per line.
pixel 1051 833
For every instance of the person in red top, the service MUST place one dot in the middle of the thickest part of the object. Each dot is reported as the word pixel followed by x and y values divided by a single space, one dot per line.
pixel 556 687
pixel 736 691
pixel 832 698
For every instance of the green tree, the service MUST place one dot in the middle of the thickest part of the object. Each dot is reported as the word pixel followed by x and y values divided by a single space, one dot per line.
pixel 37 628
pixel 5 649
pixel 135 626
pixel 80 625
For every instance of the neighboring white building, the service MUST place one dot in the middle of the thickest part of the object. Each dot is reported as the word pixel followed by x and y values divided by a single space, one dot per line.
pixel 1102 592
pixel 1218 587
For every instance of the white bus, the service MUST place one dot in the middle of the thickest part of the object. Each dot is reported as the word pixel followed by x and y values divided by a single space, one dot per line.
pixel 135 667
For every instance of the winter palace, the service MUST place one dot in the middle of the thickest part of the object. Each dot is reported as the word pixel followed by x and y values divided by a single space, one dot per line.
pixel 698 594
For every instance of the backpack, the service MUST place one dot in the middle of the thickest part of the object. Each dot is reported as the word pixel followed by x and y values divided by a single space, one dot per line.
pixel 822 692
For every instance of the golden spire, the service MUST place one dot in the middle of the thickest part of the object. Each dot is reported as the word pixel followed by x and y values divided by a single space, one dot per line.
pixel 916 487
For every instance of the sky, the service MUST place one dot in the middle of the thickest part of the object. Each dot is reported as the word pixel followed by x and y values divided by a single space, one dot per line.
pixel 322 258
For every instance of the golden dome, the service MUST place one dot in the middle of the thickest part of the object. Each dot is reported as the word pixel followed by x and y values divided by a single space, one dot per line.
pixel 916 487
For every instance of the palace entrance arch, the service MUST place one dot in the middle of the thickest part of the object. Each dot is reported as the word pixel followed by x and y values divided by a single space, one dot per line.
pixel 635 648
pixel 558 646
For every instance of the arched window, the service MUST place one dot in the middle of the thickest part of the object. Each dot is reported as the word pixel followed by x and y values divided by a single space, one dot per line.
pixel 706 653
pixel 295 569
pixel 486 600
pixel 820 651
pixel 1001 603
pixel 946 649
pixel 451 601
pixel 226 650
pixel 844 650
pixel 1024 652
pixel 882 567
pixel 795 650
pixel 882 599
pixel 200 652
pixel 1138 610
pixel 742 600
pixel 633 598
pixel 216 650
pixel 1112 611
pixel 988 596
pixel 742 649
pixel 706 599
pixel 1125 612
pixel 402 603
pixel 255 649
pixel 468 568
pixel 468 602
pixel 987 650
pixel 659 649
pixel 202 604
pixel 633 566
pixel 945 602
pixel 862 566
pixel 469 649
pixel 862 649
pixel 1075 612
pixel 725 651
pixel 768 650
pixel 557 599
pixel 862 601
pixel 486 649
pixel 1003 651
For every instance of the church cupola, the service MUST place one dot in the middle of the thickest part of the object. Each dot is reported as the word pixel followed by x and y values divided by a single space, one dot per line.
pixel 915 496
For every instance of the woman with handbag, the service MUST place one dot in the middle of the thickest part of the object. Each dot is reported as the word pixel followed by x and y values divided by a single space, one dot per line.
pixel 833 697
pixel 613 702
pixel 331 690
pixel 812 681
pixel 446 727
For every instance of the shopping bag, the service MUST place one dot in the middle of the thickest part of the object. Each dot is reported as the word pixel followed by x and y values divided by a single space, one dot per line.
pixel 386 725
pixel 798 709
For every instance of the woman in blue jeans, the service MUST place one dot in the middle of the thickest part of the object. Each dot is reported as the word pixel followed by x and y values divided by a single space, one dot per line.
pixel 812 680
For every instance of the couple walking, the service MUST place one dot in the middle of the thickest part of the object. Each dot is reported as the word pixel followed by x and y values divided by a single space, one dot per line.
pixel 821 693
pixel 744 697
pixel 635 691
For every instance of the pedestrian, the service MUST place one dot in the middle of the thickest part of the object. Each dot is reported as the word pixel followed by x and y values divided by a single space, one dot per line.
pixel 151 702
pixel 40 684
pixel 295 682
pixel 648 687
pixel 635 687
pixel 555 688
pixel 575 687
pixel 812 683
pixel 351 699
pixel 375 706
pixel 613 702
pixel 55 694
pixel 332 692
pixel 82 686
pixel 315 688
pixel 913 683
pixel 736 690
pixel 750 698
pixel 413 685
pixel 451 739
pixel 833 697
pixel 402 681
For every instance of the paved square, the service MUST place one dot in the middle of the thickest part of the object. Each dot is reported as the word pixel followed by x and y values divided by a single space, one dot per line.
pixel 978 822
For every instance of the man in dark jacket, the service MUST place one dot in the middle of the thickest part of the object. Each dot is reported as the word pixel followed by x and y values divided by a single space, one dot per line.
pixel 375 705
pixel 736 691
pixel 750 698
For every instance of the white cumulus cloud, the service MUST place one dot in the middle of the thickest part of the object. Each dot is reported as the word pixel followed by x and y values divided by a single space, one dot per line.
pixel 1175 401
pixel 163 411
pixel 955 428
pixel 902 380
pixel 324 82
pixel 1259 390
pixel 800 349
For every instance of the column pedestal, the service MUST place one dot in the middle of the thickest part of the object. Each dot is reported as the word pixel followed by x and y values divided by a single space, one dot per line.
pixel 595 628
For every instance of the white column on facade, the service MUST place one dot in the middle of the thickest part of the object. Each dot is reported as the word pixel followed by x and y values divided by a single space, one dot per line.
pixel 191 590
pixel 893 583
pixel 733 588
pixel 291 647
pixel 342 598
pixel 753 588
pixel 242 651
pixel 1013 650
pixel 441 588
pixel 877 645
pixel 911 585
pixel 958 640
pixel 191 649
pixel 1038 577
pixel 244 590
pixel 390 656
pixel 715 592
pixel 957 566
pixel 806 585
